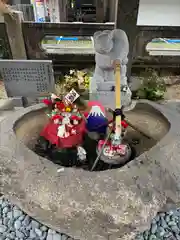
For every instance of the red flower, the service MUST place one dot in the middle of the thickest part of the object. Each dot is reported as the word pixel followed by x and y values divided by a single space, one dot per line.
pixel 86 114
pixel 124 124
pixel 47 101
pixel 60 105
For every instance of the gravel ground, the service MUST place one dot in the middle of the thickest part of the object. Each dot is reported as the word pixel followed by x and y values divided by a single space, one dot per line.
pixel 163 226
pixel 16 225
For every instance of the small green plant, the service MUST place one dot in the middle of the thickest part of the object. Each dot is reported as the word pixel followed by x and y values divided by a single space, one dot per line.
pixel 152 87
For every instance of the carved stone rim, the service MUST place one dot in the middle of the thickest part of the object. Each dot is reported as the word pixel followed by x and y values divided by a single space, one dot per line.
pixel 14 155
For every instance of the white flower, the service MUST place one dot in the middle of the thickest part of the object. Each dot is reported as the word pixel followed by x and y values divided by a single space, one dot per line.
pixel 72 71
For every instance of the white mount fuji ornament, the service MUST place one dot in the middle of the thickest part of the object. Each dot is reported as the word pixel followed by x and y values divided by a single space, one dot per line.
pixel 96 120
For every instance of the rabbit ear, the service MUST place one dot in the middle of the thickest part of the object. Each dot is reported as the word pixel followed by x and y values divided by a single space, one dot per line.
pixel 121 44
pixel 113 43
pixel 103 41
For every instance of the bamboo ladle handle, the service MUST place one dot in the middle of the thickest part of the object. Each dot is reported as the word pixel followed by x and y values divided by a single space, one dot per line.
pixel 117 96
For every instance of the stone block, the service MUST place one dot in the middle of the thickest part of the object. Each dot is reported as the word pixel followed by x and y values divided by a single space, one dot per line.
pixel 6 104
pixel 17 101
pixel 27 78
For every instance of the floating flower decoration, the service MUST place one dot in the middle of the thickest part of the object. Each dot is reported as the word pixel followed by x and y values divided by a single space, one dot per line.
pixel 60 106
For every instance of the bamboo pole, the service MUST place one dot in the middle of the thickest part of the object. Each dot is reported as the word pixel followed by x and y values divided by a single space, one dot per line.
pixel 118 97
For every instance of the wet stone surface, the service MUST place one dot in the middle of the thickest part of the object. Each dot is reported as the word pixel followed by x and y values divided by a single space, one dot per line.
pixel 16 225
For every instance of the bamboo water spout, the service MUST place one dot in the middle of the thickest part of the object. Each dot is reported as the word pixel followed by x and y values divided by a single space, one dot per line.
pixel 117 100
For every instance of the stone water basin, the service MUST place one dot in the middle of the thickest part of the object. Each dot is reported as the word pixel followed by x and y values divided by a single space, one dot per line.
pixel 112 204
pixel 143 117
pixel 151 122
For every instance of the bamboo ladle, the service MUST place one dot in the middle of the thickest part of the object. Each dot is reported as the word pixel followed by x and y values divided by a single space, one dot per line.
pixel 117 67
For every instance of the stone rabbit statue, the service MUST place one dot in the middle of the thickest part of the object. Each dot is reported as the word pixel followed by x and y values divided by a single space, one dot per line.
pixel 110 46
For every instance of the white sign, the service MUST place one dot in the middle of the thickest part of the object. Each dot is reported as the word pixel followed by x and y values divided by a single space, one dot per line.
pixel 40 9
pixel 71 96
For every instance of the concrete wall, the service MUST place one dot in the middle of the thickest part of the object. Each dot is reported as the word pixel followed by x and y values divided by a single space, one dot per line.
pixel 159 13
